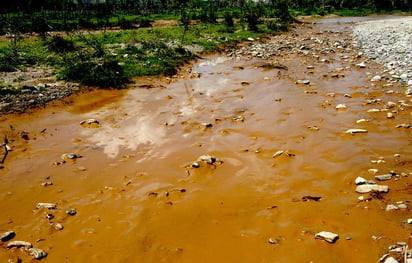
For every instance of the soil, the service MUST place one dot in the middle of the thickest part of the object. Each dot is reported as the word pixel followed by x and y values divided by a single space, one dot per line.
pixel 286 169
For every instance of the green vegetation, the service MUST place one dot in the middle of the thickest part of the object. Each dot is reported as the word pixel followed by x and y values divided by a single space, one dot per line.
pixel 88 51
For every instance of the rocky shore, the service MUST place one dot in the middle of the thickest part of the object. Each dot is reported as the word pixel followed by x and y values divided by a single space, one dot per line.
pixel 388 42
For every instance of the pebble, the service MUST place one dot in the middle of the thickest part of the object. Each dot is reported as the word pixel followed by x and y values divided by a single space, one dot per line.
pixel 6 236
pixel 71 156
pixel 209 159
pixel 46 205
pixel 361 65
pixel 376 78
pixel 71 212
pixel 340 106
pixel 57 226
pixel 19 244
pixel 327 236
pixel 37 253
pixel 409 221
pixel 303 81
pixel 366 188
pixel 390 115
pixel 353 131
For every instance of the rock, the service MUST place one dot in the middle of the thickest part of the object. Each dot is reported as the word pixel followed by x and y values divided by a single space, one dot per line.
pixel 273 241
pixel 362 121
pixel 37 253
pixel 402 206
pixel 327 236
pixel 57 226
pixel 70 156
pixel 209 159
pixel 390 115
pixel 90 123
pixel 340 106
pixel 195 165
pixel 373 110
pixel 19 244
pixel 303 81
pixel 46 205
pixel 390 260
pixel 353 131
pixel 366 188
pixel 361 65
pixel 376 78
pixel 71 212
pixel 278 153
pixel 360 180
pixel 391 207
pixel 373 171
pixel 409 221
pixel 6 236
pixel 383 177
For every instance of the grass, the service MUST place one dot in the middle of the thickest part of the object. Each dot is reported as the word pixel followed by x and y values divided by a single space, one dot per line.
pixel 111 58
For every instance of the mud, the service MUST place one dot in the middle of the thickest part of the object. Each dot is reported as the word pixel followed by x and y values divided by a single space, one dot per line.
pixel 138 198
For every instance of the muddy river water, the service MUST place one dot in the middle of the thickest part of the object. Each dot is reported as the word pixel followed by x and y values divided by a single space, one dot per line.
pixel 141 194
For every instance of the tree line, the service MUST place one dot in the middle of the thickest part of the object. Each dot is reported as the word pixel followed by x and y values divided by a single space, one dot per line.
pixel 161 6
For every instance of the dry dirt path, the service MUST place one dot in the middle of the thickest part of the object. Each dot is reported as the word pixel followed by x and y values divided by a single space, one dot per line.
pixel 244 159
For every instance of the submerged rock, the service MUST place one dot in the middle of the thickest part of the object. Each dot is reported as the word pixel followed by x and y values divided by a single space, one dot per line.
pixel 6 236
pixel 327 236
pixel 46 205
pixel 383 177
pixel 303 81
pixel 366 188
pixel 37 253
pixel 353 131
pixel 19 244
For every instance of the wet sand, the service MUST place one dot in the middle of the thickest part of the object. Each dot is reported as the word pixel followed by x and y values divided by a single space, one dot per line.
pixel 139 200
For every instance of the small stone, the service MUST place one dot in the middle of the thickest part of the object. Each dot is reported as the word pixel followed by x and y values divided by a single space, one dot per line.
pixel 273 241
pixel 209 159
pixel 71 212
pixel 376 78
pixel 409 221
pixel 402 206
pixel 373 110
pixel 195 165
pixel 277 154
pixel 340 106
pixel 57 226
pixel 361 65
pixel 362 121
pixel 390 115
pixel 327 236
pixel 70 156
pixel 37 253
pixel 6 236
pixel 303 81
pixel 353 131
pixel 19 244
pixel 366 188
pixel 360 180
pixel 391 207
pixel 92 123
pixel 383 177
pixel 46 205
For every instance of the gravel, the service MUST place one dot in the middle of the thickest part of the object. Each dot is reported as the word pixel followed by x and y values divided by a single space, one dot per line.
pixel 388 42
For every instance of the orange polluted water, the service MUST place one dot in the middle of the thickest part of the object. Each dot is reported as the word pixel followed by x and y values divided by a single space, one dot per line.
pixel 138 197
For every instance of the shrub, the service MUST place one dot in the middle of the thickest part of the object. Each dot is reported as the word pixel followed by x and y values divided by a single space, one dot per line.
pixel 103 74
pixel 59 44
pixel 8 62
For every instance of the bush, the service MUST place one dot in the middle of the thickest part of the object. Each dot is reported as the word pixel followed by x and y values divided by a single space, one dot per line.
pixel 59 44
pixel 103 74
pixel 8 62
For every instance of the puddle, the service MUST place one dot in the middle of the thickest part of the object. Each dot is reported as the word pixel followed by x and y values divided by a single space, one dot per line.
pixel 138 200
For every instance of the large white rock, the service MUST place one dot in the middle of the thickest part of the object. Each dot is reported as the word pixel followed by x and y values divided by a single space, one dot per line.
pixel 390 260
pixel 366 188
